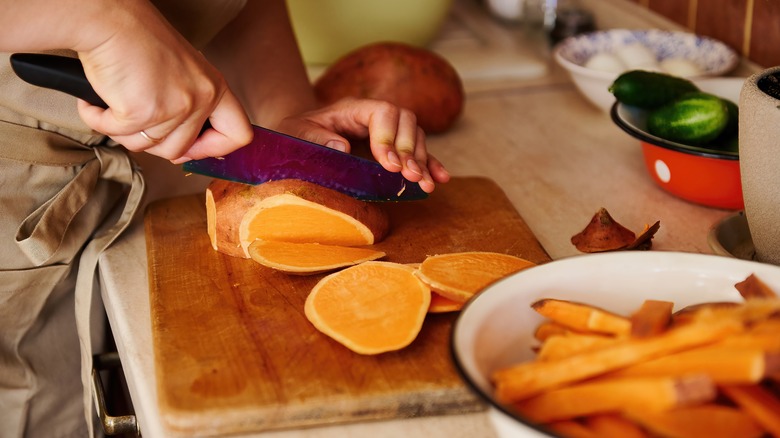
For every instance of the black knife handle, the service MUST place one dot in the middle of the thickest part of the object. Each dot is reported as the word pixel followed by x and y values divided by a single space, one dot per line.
pixel 56 72
pixel 62 74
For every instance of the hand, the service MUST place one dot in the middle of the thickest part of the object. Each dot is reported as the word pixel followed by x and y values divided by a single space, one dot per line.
pixel 155 82
pixel 396 141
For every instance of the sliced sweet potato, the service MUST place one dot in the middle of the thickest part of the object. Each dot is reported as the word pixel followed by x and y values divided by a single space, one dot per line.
pixel 308 258
pixel 582 317
pixel 707 420
pixel 440 304
pixel 228 205
pixel 370 308
pixel 614 426
pixel 460 275
pixel 612 395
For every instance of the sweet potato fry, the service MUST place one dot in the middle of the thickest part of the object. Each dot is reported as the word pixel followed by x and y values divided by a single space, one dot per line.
pixel 614 426
pixel 688 313
pixel 527 379
pixel 722 364
pixel 571 429
pixel 759 403
pixel 709 420
pixel 651 319
pixel 582 317
pixel 549 328
pixel 753 287
pixel 561 346
pixel 612 395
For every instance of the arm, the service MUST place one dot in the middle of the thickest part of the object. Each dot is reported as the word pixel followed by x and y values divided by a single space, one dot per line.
pixel 151 78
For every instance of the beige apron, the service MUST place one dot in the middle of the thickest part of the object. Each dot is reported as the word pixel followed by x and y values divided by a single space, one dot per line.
pixel 65 195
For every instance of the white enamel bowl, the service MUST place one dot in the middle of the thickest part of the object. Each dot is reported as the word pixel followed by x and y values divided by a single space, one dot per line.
pixel 495 329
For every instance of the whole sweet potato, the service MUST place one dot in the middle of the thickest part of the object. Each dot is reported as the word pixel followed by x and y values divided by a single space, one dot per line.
pixel 410 77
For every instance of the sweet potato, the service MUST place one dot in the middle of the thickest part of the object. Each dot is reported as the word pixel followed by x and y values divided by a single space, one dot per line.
pixel 410 77
pixel 757 402
pixel 530 378
pixel 613 395
pixel 461 275
pixel 370 308
pixel 708 420
pixel 309 258
pixel 229 203
pixel 582 317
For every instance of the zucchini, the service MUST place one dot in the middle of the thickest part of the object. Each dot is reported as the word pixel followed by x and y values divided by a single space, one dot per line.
pixel 647 89
pixel 695 119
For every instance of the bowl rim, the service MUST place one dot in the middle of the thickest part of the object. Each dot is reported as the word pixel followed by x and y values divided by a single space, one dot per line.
pixel 666 144
pixel 646 258
pixel 572 66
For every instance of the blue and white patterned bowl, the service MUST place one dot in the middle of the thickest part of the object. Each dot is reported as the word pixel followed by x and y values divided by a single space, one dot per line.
pixel 713 57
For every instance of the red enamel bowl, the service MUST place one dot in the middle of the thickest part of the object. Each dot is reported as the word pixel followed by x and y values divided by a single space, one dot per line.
pixel 700 175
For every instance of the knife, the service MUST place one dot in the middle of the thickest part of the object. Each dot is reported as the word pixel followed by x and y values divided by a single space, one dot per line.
pixel 270 156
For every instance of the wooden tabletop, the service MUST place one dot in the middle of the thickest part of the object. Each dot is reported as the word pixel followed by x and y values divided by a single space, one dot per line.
pixel 558 159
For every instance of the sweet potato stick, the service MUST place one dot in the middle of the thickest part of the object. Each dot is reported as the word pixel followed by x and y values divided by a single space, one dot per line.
pixel 753 287
pixel 614 426
pixel 582 317
pixel 611 395
pixel 571 429
pixel 723 364
pixel 651 319
pixel 710 420
pixel 561 346
pixel 757 402
pixel 761 338
pixel 521 381
pixel 549 328
pixel 748 312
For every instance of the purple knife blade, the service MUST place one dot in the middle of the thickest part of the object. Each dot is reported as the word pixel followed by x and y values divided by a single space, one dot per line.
pixel 273 156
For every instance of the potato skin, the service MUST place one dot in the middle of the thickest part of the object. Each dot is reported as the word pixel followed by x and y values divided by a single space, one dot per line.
pixel 407 76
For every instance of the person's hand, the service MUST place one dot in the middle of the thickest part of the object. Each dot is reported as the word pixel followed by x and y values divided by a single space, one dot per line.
pixel 159 89
pixel 396 141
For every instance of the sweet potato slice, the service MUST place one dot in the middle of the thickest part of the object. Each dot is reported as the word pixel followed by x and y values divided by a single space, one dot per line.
pixel 460 275
pixel 708 420
pixel 308 258
pixel 227 204
pixel 370 308
pixel 440 304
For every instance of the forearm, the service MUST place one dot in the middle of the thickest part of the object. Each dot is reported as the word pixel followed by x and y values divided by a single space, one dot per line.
pixel 259 57
pixel 79 25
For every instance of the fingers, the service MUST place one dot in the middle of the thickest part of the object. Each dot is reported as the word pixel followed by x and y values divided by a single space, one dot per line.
pixel 178 139
pixel 396 141
pixel 396 136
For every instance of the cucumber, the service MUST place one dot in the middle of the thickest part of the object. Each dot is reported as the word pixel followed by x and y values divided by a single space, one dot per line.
pixel 647 89
pixel 695 119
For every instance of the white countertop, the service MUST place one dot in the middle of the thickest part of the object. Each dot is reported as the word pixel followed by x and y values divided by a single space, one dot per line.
pixel 558 159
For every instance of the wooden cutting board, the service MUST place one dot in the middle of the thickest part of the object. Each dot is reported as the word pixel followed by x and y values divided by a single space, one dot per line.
pixel 235 353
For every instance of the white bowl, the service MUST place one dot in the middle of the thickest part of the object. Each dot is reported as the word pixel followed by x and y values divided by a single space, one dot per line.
pixel 495 329
pixel 713 57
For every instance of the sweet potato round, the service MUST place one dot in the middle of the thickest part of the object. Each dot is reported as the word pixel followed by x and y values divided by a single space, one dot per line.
pixel 227 202
pixel 407 76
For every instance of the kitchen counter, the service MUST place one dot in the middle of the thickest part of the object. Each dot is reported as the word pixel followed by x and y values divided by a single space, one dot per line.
pixel 558 158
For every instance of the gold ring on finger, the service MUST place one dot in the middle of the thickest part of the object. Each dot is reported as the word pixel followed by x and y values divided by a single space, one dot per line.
pixel 151 139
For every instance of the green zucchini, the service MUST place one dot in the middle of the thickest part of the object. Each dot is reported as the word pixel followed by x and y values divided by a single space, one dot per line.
pixel 695 119
pixel 647 89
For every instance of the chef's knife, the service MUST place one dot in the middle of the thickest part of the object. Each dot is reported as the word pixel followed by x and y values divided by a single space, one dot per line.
pixel 270 156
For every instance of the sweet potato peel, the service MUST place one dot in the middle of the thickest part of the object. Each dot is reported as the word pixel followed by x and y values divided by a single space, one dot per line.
pixel 604 233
